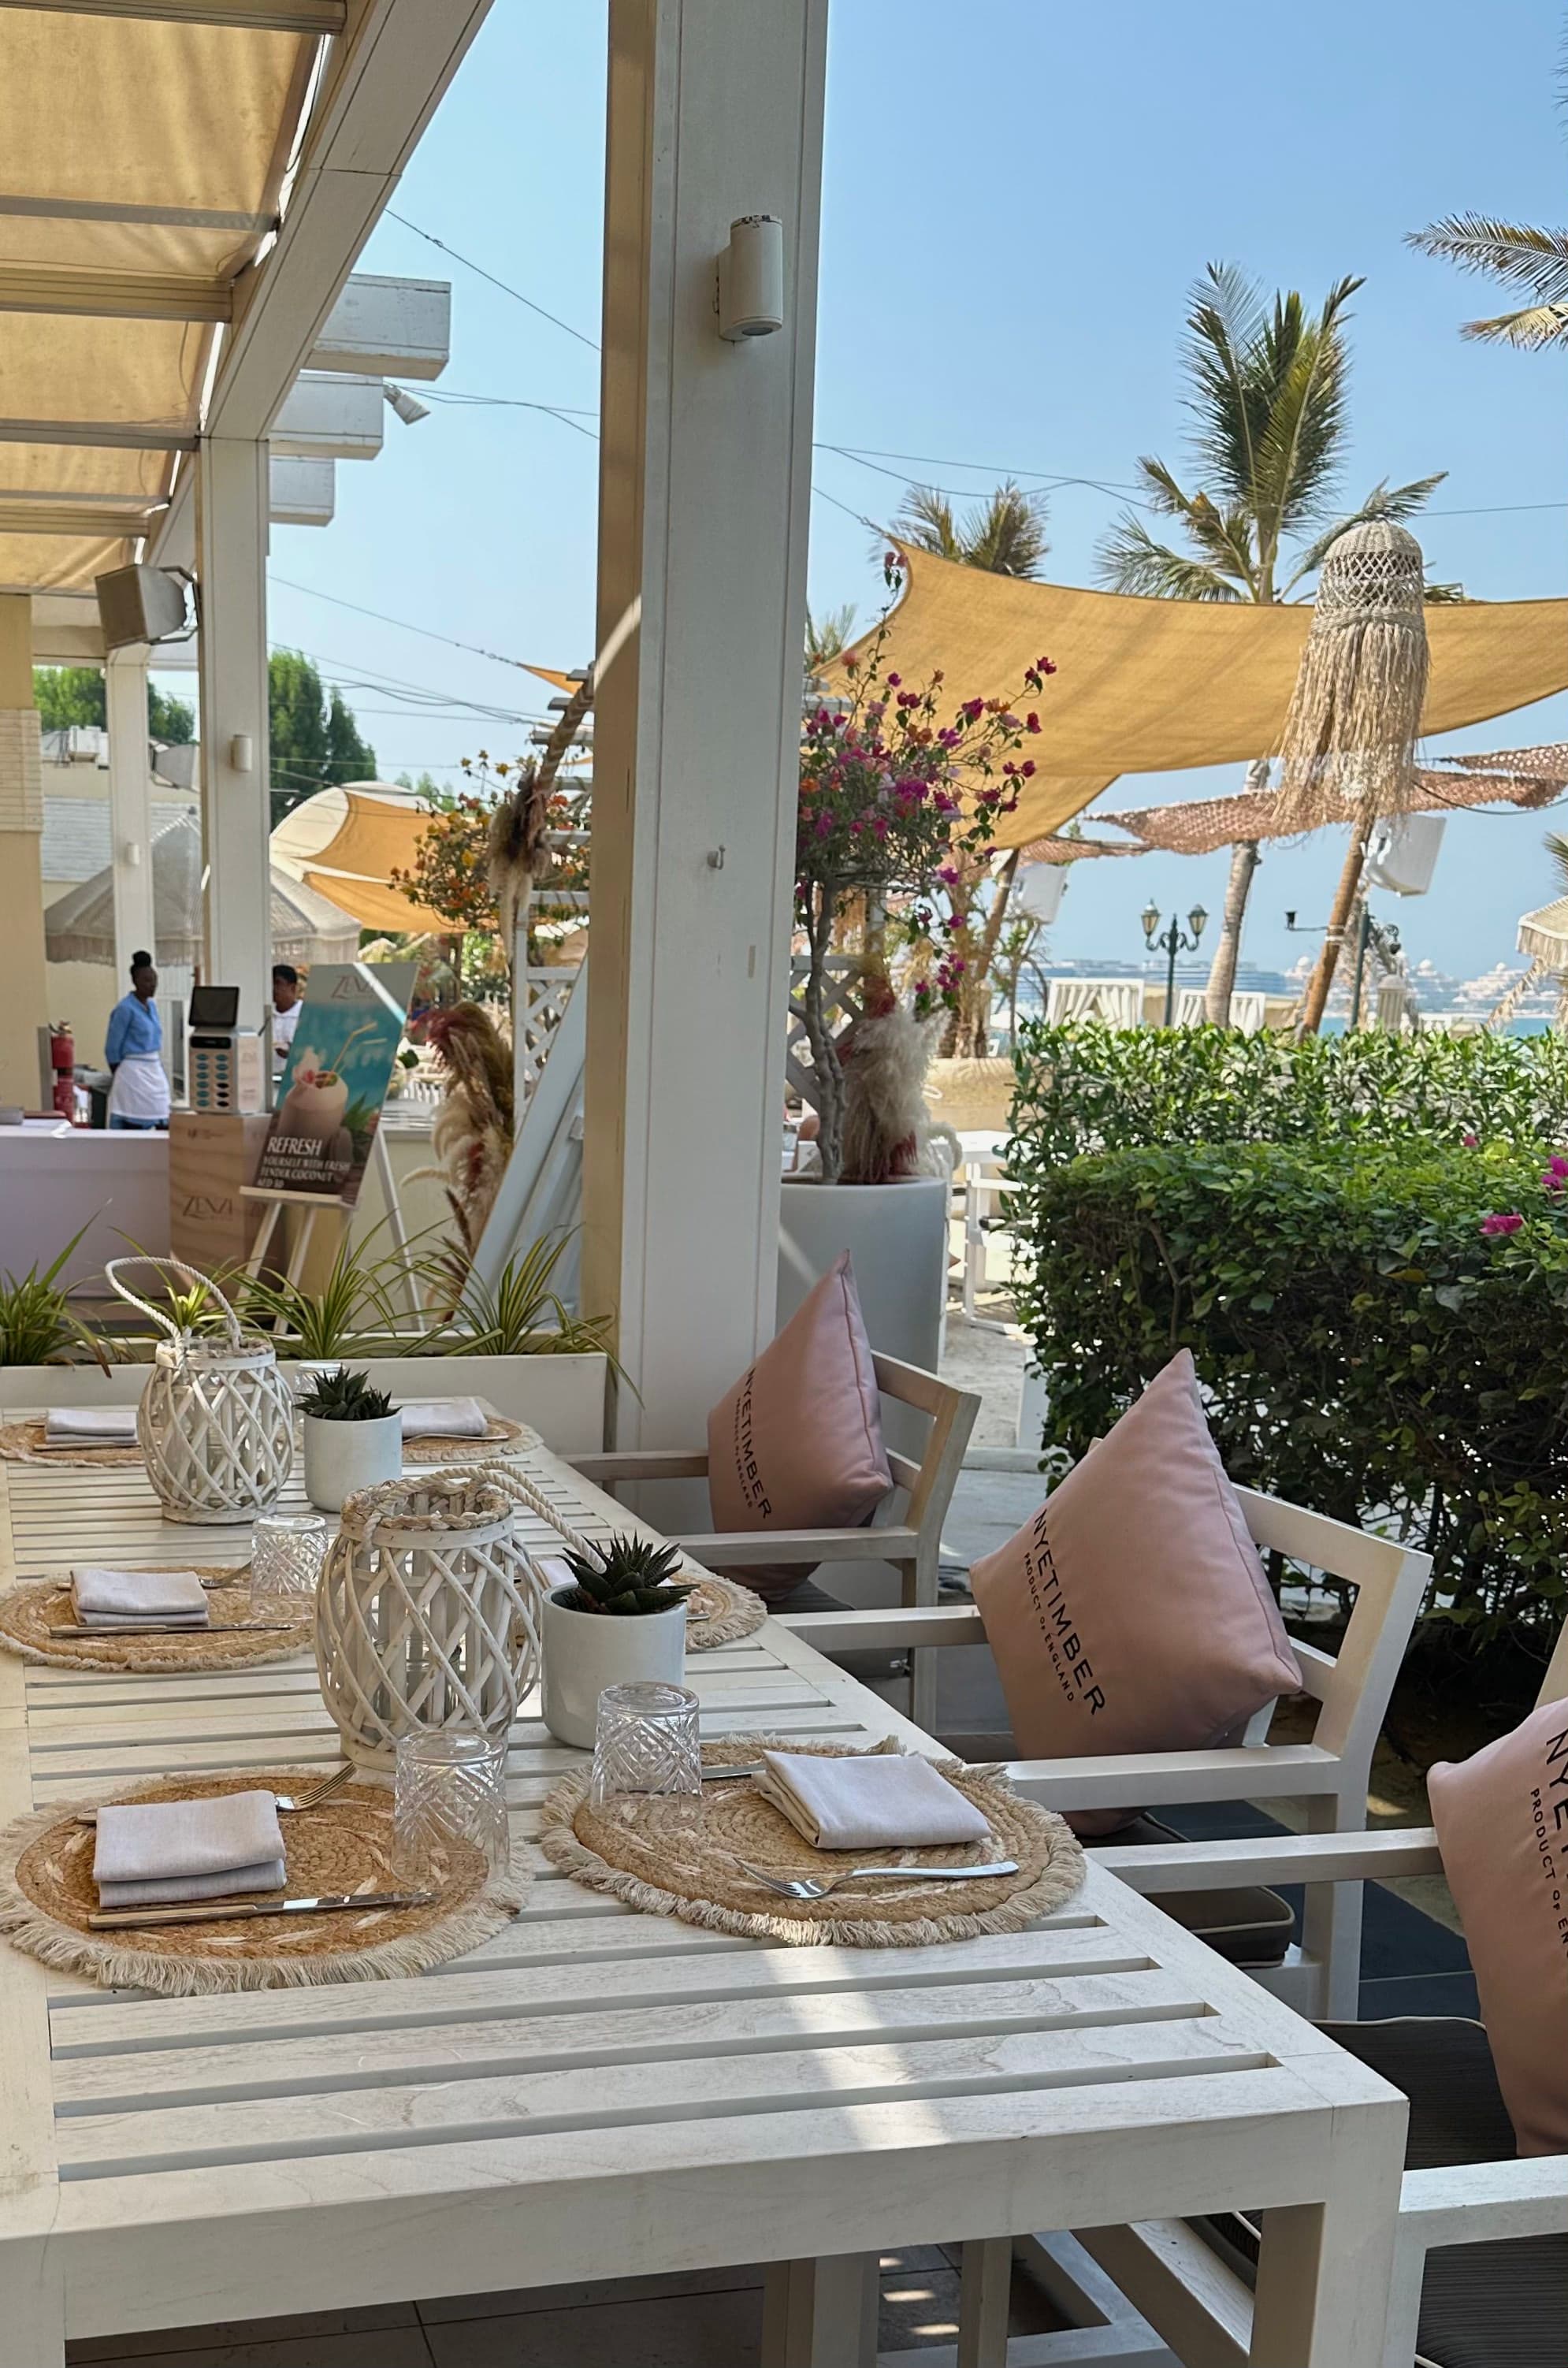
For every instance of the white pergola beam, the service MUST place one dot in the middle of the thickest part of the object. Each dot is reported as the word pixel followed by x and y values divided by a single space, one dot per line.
pixel 61 515
pixel 114 295
pixel 113 210
pixel 232 492
pixel 300 492
pixel 250 15
pixel 131 803
pixel 325 418
pixel 715 110
pixel 399 329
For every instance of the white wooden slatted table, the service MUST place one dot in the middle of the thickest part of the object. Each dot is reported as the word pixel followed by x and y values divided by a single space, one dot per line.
pixel 598 2093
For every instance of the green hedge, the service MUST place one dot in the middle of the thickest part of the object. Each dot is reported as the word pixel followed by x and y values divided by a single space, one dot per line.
pixel 1088 1088
pixel 1367 1349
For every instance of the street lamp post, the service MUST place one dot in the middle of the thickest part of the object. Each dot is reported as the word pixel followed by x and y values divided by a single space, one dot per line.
pixel 1383 935
pixel 1172 943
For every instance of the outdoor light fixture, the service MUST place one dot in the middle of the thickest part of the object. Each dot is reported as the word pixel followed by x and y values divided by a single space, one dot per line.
pixel 1151 923
pixel 1171 942
pixel 408 407
pixel 751 280
pixel 1195 921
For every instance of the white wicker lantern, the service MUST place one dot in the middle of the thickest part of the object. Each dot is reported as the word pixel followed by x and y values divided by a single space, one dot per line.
pixel 216 1422
pixel 427 1612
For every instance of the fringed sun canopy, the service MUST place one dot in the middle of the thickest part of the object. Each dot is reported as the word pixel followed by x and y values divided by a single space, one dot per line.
pixel 1158 686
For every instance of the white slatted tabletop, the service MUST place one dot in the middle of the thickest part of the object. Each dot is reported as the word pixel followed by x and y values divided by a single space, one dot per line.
pixel 597 2092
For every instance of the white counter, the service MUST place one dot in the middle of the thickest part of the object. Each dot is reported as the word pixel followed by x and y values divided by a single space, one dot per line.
pixel 55 1179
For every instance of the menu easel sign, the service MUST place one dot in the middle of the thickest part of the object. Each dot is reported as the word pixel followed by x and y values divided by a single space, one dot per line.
pixel 335 1080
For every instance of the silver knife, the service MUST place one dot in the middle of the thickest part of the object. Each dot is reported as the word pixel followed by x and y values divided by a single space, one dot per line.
pixel 183 1628
pixel 727 1775
pixel 216 1911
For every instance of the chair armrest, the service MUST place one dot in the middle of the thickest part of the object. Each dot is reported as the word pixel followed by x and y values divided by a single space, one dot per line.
pixel 1138 1779
pixel 744 1549
pixel 875 1632
pixel 1472 2202
pixel 642 1463
pixel 1274 1857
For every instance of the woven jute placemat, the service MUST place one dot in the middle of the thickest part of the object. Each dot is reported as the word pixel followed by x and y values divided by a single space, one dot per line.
pixel 22 1443
pixel 672 1857
pixel 47 1892
pixel 28 1613
pixel 718 1612
pixel 500 1432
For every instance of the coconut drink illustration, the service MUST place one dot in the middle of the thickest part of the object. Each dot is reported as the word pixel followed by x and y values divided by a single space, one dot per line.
pixel 316 1103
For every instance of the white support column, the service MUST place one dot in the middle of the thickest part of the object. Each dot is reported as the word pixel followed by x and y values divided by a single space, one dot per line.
pixel 715 111
pixel 24 987
pixel 129 804
pixel 231 511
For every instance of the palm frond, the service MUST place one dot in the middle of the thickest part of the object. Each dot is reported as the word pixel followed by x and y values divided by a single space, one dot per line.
pixel 1557 847
pixel 1224 325
pixel 1300 445
pixel 1538 325
pixel 1129 560
pixel 1384 501
pixel 925 519
pixel 1515 253
pixel 1445 596
pixel 1007 535
pixel 828 637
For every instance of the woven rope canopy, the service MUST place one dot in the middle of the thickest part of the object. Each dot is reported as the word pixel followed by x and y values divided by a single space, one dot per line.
pixel 1158 686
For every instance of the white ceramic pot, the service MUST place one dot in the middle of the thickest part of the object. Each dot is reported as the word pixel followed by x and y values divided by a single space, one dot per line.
pixel 343 1456
pixel 586 1651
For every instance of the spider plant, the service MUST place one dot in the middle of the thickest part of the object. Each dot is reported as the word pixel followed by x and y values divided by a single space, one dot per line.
pixel 353 1309
pixel 38 1322
pixel 516 1316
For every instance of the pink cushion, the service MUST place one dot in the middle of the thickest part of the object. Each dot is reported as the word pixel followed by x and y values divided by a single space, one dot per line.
pixel 1502 1820
pixel 1132 1614
pixel 797 1444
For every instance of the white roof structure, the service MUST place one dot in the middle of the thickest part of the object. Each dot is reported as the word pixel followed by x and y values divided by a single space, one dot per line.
pixel 79 927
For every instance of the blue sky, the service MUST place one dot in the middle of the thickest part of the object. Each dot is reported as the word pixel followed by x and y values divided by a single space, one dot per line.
pixel 1018 198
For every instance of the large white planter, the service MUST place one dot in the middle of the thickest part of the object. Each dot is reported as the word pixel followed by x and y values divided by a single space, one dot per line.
pixel 897 1236
pixel 586 1651
pixel 341 1457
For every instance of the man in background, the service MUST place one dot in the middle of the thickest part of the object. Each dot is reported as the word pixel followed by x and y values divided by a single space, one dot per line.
pixel 287 992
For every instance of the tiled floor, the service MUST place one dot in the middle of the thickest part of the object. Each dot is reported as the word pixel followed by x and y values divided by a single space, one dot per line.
pixel 711 2320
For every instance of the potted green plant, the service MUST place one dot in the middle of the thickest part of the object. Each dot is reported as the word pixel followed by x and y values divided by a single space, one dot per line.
pixel 619 1622
pixel 353 1437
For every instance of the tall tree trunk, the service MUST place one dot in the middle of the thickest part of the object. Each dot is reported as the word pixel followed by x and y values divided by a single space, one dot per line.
pixel 1245 861
pixel 1339 920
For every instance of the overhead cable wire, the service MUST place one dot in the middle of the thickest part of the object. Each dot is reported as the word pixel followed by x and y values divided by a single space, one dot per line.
pixel 506 289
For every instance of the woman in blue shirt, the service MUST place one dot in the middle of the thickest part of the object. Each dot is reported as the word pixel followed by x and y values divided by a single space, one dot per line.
pixel 139 1097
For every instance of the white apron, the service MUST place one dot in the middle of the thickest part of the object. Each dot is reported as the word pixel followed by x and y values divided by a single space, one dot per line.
pixel 141 1088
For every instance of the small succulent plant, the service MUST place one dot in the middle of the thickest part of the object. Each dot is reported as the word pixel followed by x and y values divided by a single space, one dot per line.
pixel 630 1576
pixel 345 1396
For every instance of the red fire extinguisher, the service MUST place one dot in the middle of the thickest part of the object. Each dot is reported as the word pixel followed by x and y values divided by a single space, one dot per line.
pixel 62 1061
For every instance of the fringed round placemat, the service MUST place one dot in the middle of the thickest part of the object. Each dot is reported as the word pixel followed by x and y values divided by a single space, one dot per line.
pixel 718 1612
pixel 680 1857
pixel 501 1435
pixel 27 1613
pixel 47 1894
pixel 22 1443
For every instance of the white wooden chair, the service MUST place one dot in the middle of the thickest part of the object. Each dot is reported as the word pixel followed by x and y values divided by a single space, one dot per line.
pixel 911 1540
pixel 1170 2276
pixel 1328 1777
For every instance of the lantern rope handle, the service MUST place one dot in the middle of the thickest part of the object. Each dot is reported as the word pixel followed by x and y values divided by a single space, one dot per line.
pixel 190 1276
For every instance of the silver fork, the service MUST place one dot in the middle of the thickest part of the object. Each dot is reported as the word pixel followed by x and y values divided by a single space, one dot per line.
pixel 817 1886
pixel 288 1804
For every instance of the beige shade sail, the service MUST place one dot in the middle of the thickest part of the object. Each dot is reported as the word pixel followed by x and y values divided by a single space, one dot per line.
pixel 1544 934
pixel 1159 686
pixel 144 165
pixel 346 842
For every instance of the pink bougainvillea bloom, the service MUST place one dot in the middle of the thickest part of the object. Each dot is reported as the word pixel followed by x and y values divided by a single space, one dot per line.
pixel 948 875
pixel 893 681
pixel 1557 1166
pixel 1470 1142
pixel 974 708
pixel 1027 768
pixel 1031 722
pixel 1502 1221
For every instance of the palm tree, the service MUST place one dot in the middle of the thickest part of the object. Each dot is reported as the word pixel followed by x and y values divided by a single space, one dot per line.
pixel 1268 387
pixel 1004 534
pixel 1533 260
pixel 828 637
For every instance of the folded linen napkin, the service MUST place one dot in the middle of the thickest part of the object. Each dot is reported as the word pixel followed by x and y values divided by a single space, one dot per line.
pixel 444 1419
pixel 151 1852
pixel 888 1800
pixel 113 1598
pixel 90 1427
